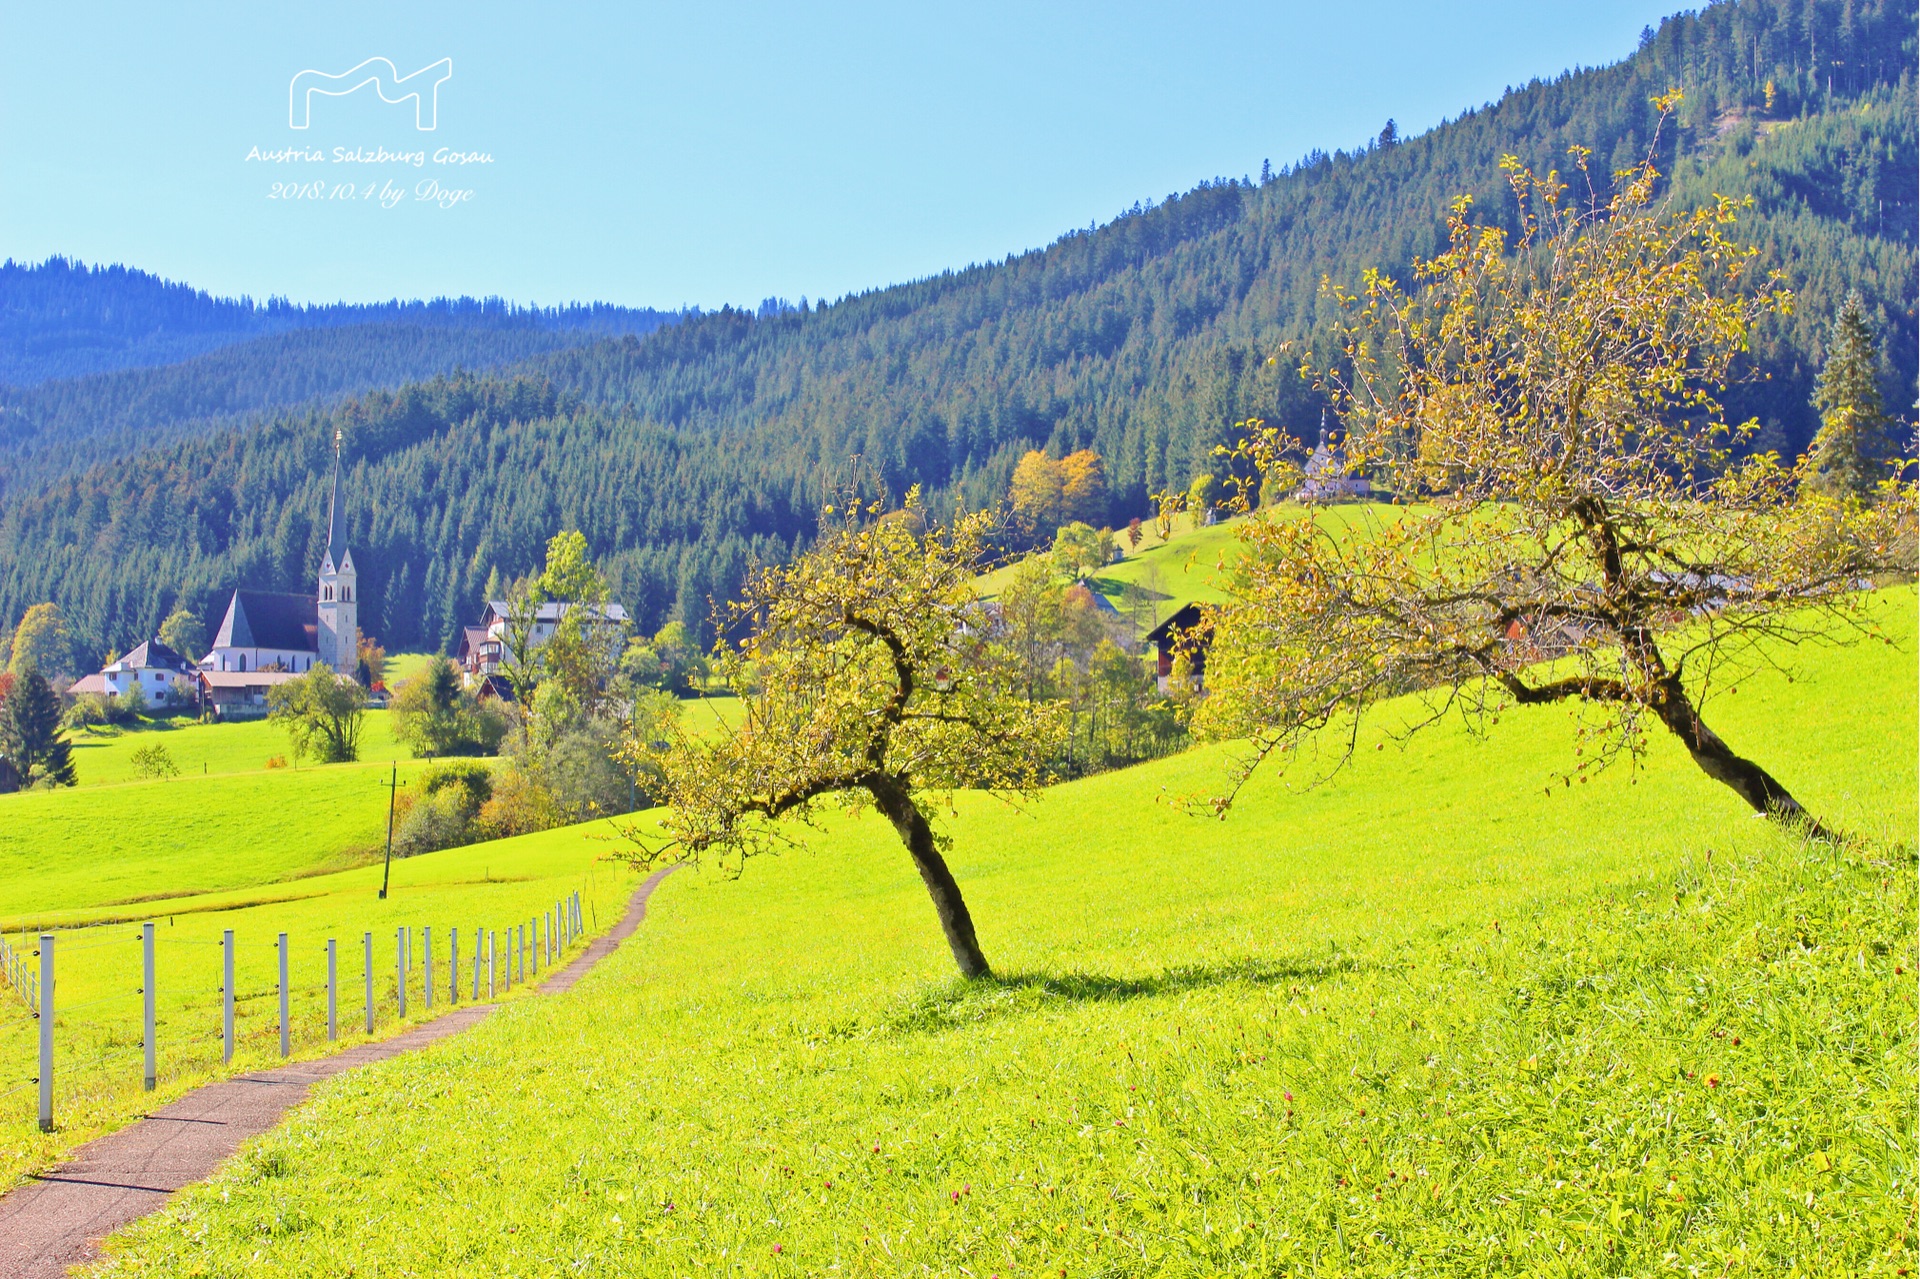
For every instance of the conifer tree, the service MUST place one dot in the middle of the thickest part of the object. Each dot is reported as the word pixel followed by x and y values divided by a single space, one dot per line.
pixel 1847 449
pixel 30 737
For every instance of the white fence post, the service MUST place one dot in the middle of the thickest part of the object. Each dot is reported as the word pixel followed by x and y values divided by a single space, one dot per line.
pixel 46 1032
pixel 333 992
pixel 476 964
pixel 286 1030
pixel 491 966
pixel 426 967
pixel 149 1051
pixel 226 996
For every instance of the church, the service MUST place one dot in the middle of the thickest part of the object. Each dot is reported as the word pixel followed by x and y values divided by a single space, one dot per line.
pixel 275 631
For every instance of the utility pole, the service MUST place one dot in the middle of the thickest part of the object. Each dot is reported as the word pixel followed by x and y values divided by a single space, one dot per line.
pixel 393 791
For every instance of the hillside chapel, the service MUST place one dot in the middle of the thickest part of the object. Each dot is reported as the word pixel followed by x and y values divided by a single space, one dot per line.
pixel 271 630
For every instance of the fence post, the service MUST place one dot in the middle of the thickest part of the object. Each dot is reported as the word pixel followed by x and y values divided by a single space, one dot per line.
pixel 426 967
pixel 366 941
pixel 46 1032
pixel 400 969
pixel 149 1049
pixel 476 964
pixel 286 1031
pixel 453 965
pixel 226 996
pixel 333 993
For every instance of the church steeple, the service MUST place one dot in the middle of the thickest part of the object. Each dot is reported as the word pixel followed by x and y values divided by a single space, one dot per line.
pixel 336 611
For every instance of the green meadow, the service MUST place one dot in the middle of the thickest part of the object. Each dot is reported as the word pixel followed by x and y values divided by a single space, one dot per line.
pixel 1443 1014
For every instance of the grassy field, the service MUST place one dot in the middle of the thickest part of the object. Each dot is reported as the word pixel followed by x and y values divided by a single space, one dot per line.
pixel 492 886
pixel 1438 1016
pixel 103 756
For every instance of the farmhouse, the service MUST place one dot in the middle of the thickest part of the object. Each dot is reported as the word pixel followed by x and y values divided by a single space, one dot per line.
pixel 239 694
pixel 485 648
pixel 274 631
pixel 152 666
pixel 1183 633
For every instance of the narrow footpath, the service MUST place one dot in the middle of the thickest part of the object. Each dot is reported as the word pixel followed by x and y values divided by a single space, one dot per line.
pixel 55 1221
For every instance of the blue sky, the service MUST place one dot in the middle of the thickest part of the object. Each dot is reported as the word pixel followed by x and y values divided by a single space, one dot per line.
pixel 655 155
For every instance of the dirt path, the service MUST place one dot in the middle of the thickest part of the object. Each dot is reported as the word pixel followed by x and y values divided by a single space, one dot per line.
pixel 56 1220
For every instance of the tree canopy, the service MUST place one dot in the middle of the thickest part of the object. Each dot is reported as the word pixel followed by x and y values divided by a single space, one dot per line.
pixel 1578 521
pixel 870 673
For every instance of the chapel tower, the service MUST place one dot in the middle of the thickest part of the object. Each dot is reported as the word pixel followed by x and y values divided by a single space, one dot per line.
pixel 337 606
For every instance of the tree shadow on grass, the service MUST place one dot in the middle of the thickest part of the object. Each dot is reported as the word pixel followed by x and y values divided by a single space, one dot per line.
pixel 969 1002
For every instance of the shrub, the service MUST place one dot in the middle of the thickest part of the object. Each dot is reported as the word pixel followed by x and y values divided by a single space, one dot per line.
pixel 154 760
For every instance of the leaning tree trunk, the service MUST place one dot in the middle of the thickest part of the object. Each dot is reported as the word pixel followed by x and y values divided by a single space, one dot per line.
pixel 1717 760
pixel 897 804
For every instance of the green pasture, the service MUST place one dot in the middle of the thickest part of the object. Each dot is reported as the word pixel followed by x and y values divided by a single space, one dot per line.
pixel 1443 1014
pixel 494 886
pixel 103 756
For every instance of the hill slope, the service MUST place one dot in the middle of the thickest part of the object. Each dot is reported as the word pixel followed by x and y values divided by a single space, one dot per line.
pixel 64 319
pixel 1424 1020
pixel 684 455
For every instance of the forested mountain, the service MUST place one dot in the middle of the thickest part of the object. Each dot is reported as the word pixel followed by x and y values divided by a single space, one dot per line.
pixel 685 454
pixel 64 319
pixel 71 424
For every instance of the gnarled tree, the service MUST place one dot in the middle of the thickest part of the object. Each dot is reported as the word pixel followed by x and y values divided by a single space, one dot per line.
pixel 1575 519
pixel 871 673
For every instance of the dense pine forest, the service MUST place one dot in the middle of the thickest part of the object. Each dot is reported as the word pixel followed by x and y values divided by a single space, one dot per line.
pixel 686 454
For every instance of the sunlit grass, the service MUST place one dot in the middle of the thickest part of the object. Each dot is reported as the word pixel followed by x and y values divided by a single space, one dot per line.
pixel 1441 1015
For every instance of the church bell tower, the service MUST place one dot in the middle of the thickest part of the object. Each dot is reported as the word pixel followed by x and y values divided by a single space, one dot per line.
pixel 337 605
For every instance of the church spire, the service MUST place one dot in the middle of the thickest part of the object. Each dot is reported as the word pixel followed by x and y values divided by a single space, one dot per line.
pixel 336 535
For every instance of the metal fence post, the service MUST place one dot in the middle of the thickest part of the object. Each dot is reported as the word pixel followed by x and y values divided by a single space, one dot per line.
pixel 426 967
pixel 366 941
pixel 149 1049
pixel 286 1031
pixel 491 966
pixel 333 992
pixel 226 995
pixel 400 969
pixel 46 1032
pixel 476 964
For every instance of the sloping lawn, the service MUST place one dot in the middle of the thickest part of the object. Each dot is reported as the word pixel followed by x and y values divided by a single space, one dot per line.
pixel 1443 1015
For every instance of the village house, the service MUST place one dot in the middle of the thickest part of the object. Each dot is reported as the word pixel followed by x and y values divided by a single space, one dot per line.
pixel 152 667
pixel 1185 632
pixel 484 648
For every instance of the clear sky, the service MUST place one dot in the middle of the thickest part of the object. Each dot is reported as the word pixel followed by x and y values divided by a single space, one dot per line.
pixel 696 153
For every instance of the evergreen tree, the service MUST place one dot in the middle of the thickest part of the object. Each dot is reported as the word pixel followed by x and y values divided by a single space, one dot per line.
pixel 1852 438
pixel 30 738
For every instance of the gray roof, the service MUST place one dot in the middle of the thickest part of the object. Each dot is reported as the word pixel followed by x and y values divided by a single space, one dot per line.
pixel 269 619
pixel 154 654
pixel 554 610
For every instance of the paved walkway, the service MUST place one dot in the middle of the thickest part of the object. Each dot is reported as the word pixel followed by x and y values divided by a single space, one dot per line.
pixel 57 1220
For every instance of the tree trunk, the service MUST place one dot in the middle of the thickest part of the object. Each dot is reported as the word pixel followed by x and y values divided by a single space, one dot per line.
pixel 1717 760
pixel 893 800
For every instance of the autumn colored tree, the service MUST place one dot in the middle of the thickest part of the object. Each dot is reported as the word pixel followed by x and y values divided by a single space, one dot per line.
pixel 1552 403
pixel 1037 495
pixel 1083 487
pixel 869 674
pixel 42 641
pixel 1847 457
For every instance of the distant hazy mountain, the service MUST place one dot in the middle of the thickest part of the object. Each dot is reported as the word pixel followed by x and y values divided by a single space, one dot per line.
pixel 686 454
pixel 64 319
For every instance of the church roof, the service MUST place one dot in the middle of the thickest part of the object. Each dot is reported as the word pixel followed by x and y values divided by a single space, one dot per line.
pixel 270 619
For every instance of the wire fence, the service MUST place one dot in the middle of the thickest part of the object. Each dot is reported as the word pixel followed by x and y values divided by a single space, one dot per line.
pixel 107 1029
